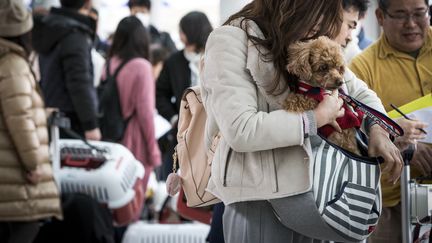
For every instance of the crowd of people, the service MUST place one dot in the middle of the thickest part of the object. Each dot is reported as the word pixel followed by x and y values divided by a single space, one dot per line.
pixel 53 59
pixel 60 43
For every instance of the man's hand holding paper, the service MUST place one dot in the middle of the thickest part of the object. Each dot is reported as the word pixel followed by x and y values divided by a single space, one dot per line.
pixel 412 129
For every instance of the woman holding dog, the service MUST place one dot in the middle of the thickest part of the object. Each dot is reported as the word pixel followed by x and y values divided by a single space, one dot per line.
pixel 263 151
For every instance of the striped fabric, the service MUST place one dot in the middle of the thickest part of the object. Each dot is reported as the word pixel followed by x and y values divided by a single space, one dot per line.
pixel 347 191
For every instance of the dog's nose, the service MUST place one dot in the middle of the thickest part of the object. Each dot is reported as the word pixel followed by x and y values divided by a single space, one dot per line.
pixel 339 83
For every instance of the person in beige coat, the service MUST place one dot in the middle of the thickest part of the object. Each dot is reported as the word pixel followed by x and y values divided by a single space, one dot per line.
pixel 28 192
pixel 265 152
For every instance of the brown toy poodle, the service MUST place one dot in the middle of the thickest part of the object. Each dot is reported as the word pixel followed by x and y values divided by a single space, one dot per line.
pixel 319 64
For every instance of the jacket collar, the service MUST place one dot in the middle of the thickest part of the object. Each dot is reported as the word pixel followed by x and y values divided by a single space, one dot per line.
pixel 263 72
pixel 67 18
pixel 8 46
pixel 386 49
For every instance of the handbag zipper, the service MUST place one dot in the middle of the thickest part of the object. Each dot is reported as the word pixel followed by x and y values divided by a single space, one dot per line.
pixel 274 181
pixel 226 167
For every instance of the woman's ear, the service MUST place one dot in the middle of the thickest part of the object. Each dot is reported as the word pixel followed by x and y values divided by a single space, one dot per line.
pixel 298 62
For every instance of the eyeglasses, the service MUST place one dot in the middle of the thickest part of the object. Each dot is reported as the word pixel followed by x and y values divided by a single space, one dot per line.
pixel 417 16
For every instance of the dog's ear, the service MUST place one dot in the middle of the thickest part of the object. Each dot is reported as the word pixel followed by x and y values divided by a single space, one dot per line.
pixel 298 62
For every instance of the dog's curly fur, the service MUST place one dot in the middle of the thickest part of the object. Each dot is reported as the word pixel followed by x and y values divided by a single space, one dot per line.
pixel 319 63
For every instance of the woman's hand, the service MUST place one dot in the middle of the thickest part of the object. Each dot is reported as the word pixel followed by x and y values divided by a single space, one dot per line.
pixel 328 110
pixel 50 110
pixel 94 134
pixel 37 175
pixel 381 145
pixel 411 129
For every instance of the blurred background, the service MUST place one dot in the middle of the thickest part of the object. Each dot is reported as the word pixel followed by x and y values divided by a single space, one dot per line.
pixel 165 14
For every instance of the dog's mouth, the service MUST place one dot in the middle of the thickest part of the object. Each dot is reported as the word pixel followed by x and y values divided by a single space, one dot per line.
pixel 333 85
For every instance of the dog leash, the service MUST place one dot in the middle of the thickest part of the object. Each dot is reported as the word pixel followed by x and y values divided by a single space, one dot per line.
pixel 379 118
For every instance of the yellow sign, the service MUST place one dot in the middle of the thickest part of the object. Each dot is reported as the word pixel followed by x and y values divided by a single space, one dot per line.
pixel 418 104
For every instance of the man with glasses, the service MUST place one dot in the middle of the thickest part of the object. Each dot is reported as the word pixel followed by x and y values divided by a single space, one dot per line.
pixel 398 66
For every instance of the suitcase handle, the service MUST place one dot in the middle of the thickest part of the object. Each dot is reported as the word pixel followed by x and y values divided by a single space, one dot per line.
pixel 76 163
pixel 87 163
pixel 407 155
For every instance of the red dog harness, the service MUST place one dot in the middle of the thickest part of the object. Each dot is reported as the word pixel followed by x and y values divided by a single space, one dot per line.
pixel 349 120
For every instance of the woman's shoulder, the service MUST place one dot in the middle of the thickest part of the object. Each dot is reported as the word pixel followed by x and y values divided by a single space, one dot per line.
pixel 176 57
pixel 138 64
pixel 228 37
pixel 13 64
pixel 238 30
pixel 247 25
pixel 15 75
pixel 229 30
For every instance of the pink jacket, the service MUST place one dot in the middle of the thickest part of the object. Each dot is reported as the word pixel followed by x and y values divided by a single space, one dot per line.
pixel 136 87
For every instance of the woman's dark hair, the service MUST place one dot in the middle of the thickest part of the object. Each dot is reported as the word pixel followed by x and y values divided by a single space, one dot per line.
pixel 284 22
pixel 72 4
pixel 24 41
pixel 158 53
pixel 131 40
pixel 196 27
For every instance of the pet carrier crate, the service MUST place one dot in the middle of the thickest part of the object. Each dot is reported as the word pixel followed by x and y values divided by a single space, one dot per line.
pixel 107 172
pixel 143 232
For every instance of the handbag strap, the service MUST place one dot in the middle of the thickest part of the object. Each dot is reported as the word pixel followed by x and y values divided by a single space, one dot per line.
pixel 379 118
pixel 360 137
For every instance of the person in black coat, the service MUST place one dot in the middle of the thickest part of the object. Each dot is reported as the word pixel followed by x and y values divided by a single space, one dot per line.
pixel 63 39
pixel 179 72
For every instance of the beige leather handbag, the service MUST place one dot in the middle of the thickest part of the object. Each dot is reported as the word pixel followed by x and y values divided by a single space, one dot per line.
pixel 193 157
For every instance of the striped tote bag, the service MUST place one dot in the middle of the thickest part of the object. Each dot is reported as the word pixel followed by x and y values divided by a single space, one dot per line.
pixel 348 192
pixel 345 201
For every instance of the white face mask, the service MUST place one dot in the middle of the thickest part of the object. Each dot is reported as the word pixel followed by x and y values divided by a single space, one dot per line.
pixel 144 18
pixel 194 59
pixel 192 56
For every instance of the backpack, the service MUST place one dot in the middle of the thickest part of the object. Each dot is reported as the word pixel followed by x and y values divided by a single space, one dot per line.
pixel 111 122
pixel 193 157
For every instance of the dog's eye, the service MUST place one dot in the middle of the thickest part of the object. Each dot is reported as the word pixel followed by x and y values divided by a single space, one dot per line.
pixel 341 69
pixel 323 68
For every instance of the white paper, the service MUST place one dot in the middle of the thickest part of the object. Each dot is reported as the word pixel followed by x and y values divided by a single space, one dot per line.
pixel 424 115
pixel 162 126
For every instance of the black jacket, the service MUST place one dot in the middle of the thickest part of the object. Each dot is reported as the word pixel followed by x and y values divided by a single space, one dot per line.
pixel 63 40
pixel 174 78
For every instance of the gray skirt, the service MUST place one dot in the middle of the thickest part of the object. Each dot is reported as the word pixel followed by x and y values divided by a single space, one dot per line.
pixel 255 222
